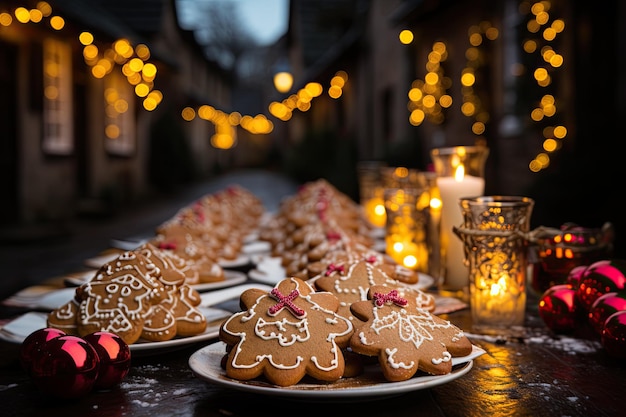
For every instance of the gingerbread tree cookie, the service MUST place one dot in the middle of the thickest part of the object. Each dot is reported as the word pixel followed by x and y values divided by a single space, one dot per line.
pixel 286 334
pixel 405 338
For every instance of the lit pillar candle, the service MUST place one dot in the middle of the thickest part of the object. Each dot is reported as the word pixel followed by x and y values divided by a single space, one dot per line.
pixel 452 189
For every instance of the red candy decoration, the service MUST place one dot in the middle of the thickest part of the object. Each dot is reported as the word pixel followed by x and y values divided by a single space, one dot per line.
pixel 31 346
pixel 559 308
pixel 114 356
pixel 600 278
pixel 614 335
pixel 67 367
pixel 605 306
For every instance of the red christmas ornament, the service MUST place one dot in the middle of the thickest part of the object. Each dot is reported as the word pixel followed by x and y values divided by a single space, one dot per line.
pixel 66 367
pixel 114 355
pixel 604 306
pixel 574 276
pixel 614 335
pixel 559 309
pixel 31 346
pixel 600 278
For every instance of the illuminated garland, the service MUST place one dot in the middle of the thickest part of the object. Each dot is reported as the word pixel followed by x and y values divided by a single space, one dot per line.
pixel 540 20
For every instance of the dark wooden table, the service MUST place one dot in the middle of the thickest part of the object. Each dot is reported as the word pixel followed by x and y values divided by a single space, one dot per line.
pixel 531 373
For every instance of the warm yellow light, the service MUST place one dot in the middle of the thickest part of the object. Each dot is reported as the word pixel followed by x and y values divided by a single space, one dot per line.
pixel 98 71
pixel 445 101
pixel 188 114
pixel 149 103
pixel 36 15
pixel 560 132
pixel 112 131
pixel 283 81
pixel 135 64
pixel 417 117
pixel 22 15
pixel 334 91
pixel 85 38
pixel 410 261
pixel 468 79
pixel 142 90
pixel 57 22
pixel 406 37
pixel 149 70
pixel 5 19
pixel 314 89
pixel 142 51
pixel 121 106
pixel 459 173
pixel 337 81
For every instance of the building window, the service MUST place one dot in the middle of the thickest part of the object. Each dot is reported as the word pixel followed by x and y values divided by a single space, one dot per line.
pixel 58 132
pixel 119 126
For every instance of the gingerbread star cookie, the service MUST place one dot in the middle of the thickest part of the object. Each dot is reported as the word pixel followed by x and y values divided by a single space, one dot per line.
pixel 285 334
pixel 404 337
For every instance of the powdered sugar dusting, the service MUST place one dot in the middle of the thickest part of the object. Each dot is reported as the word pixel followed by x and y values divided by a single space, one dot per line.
pixel 568 344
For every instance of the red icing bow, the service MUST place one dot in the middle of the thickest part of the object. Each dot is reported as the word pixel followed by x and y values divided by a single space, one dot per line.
pixel 371 259
pixel 392 296
pixel 167 245
pixel 285 301
pixel 332 268
pixel 333 236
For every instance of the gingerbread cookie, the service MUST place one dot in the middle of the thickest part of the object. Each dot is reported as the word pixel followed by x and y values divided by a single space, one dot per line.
pixel 286 334
pixel 64 317
pixel 119 297
pixel 405 338
pixel 351 279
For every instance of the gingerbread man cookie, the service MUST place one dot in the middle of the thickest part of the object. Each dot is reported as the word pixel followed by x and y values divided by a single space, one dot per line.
pixel 404 337
pixel 351 280
pixel 286 334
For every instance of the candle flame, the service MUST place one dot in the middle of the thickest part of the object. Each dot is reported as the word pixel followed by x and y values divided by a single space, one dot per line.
pixel 459 173
pixel 410 261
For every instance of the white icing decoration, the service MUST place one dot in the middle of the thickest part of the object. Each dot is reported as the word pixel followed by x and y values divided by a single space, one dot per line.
pixel 393 363
pixel 447 357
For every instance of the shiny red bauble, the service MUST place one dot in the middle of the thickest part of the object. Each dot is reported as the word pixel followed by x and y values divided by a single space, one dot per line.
pixel 559 309
pixel 604 306
pixel 66 367
pixel 575 275
pixel 614 335
pixel 114 355
pixel 600 278
pixel 31 346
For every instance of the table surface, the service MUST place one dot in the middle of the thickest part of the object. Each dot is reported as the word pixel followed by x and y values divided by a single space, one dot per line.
pixel 531 372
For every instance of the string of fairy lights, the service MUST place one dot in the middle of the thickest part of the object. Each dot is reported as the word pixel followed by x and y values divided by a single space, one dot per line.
pixel 428 97
pixel 133 61
pixel 544 29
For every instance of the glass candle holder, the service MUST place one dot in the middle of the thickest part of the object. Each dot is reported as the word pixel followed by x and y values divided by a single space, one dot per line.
pixel 495 237
pixel 558 251
pixel 405 238
pixel 371 192
pixel 460 173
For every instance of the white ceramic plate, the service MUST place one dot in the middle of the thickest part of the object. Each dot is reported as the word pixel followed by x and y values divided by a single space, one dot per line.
pixel 230 278
pixel 17 330
pixel 240 260
pixel 269 270
pixel 205 363
pixel 256 247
